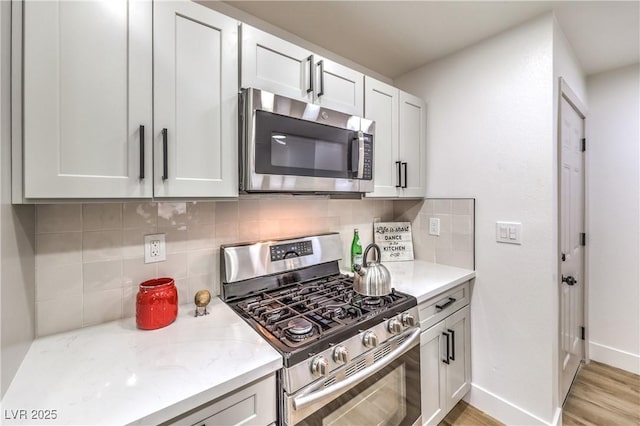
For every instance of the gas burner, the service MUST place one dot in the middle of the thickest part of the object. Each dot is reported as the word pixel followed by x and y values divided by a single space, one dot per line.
pixel 335 311
pixel 373 301
pixel 299 329
pixel 273 316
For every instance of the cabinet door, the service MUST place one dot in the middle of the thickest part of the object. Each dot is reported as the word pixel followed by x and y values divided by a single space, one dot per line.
pixel 275 65
pixel 339 87
pixel 412 145
pixel 381 106
pixel 195 101
pixel 433 372
pixel 87 90
pixel 459 369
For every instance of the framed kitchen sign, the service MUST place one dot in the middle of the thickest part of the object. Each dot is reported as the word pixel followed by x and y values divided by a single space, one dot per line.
pixel 394 240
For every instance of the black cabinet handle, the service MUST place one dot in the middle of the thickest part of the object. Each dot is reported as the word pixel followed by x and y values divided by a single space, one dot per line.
pixel 446 359
pixel 405 175
pixel 310 59
pixel 453 344
pixel 399 184
pixel 165 154
pixel 321 65
pixel 141 131
pixel 447 303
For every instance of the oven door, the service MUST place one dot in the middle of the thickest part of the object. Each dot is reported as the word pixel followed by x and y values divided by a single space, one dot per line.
pixel 386 392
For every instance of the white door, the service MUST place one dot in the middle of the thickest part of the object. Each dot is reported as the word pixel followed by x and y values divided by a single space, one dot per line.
pixel 572 251
pixel 87 92
pixel 195 101
pixel 459 369
pixel 433 375
pixel 275 65
pixel 338 87
pixel 412 145
pixel 381 106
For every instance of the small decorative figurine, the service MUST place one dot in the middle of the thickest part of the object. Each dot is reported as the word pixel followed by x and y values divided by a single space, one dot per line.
pixel 202 299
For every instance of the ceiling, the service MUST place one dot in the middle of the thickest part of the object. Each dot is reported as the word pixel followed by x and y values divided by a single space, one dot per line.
pixel 394 37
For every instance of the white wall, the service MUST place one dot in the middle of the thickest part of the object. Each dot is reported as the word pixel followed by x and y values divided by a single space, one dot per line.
pixel 613 139
pixel 490 136
pixel 17 267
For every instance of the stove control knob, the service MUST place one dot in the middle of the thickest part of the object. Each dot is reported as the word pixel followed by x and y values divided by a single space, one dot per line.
pixel 394 326
pixel 408 320
pixel 320 366
pixel 370 340
pixel 341 354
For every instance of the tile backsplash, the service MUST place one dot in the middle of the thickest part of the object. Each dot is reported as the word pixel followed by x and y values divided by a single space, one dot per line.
pixel 90 257
pixel 455 244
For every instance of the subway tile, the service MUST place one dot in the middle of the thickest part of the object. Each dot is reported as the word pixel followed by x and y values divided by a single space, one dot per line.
pixel 129 295
pixel 172 214
pixel 135 271
pixel 101 216
pixel 226 211
pixel 463 243
pixel 174 267
pixel 102 306
pixel 455 258
pixel 58 218
pixel 201 282
pixel 185 299
pixel 98 276
pixel 101 245
pixel 248 210
pixel 226 232
pixel 58 315
pixel 463 206
pixel 57 281
pixel 201 212
pixel 58 249
pixel 175 238
pixel 269 229
pixel 428 207
pixel 462 224
pixel 249 230
pixel 442 206
pixel 133 242
pixel 202 236
pixel 202 262
pixel 139 215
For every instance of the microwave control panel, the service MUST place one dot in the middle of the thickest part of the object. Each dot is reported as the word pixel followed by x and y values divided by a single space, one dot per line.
pixel 288 250
pixel 368 158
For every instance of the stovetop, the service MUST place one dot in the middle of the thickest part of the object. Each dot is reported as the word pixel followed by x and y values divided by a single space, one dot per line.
pixel 302 304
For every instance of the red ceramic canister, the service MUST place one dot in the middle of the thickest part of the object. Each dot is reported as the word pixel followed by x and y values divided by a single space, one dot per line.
pixel 156 303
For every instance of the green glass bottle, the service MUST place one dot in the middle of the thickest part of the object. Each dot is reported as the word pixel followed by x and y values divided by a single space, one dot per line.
pixel 356 249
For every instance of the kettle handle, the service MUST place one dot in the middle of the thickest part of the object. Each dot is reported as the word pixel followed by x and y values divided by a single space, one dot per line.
pixel 366 252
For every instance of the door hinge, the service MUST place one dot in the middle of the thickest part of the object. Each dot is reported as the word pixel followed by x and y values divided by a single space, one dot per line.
pixel 582 331
pixel 583 239
pixel 563 257
pixel 584 144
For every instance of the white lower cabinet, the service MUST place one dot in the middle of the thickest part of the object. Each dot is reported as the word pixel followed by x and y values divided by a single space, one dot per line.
pixel 445 364
pixel 254 404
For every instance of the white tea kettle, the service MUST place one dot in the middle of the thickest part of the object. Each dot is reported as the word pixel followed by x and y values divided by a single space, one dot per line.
pixel 374 279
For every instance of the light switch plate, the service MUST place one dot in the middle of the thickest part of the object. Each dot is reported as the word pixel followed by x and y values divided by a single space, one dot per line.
pixel 509 232
pixel 434 226
pixel 155 249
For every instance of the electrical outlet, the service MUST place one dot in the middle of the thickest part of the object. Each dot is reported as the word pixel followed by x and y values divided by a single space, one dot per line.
pixel 434 226
pixel 154 248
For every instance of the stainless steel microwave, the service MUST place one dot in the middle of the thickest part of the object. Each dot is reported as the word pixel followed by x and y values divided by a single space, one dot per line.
pixel 292 146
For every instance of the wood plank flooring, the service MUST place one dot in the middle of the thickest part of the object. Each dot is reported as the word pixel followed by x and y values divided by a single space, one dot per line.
pixel 600 396
pixel 603 395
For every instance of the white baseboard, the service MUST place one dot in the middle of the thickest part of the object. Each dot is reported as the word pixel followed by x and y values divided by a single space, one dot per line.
pixel 615 357
pixel 503 410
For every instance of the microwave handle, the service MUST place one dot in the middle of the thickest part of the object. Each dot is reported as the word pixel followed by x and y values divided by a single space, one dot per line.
pixel 357 155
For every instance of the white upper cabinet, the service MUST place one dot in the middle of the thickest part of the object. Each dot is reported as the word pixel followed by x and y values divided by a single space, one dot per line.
pixel 412 145
pixel 278 66
pixel 195 101
pixel 399 141
pixel 86 99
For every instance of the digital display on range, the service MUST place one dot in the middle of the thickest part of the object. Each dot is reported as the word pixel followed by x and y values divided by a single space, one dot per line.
pixel 289 250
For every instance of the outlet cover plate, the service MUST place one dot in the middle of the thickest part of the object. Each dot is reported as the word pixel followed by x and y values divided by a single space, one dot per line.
pixel 155 248
pixel 434 226
pixel 509 232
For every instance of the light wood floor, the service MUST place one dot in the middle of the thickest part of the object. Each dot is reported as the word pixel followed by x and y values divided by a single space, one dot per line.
pixel 600 396
pixel 603 395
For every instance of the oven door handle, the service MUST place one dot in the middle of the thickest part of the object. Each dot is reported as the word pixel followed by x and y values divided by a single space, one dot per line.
pixel 303 400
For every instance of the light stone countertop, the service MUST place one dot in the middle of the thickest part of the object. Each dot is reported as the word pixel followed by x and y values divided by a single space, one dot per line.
pixel 425 280
pixel 116 374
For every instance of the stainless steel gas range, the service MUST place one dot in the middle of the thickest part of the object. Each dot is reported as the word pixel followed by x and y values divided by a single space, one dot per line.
pixel 348 359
